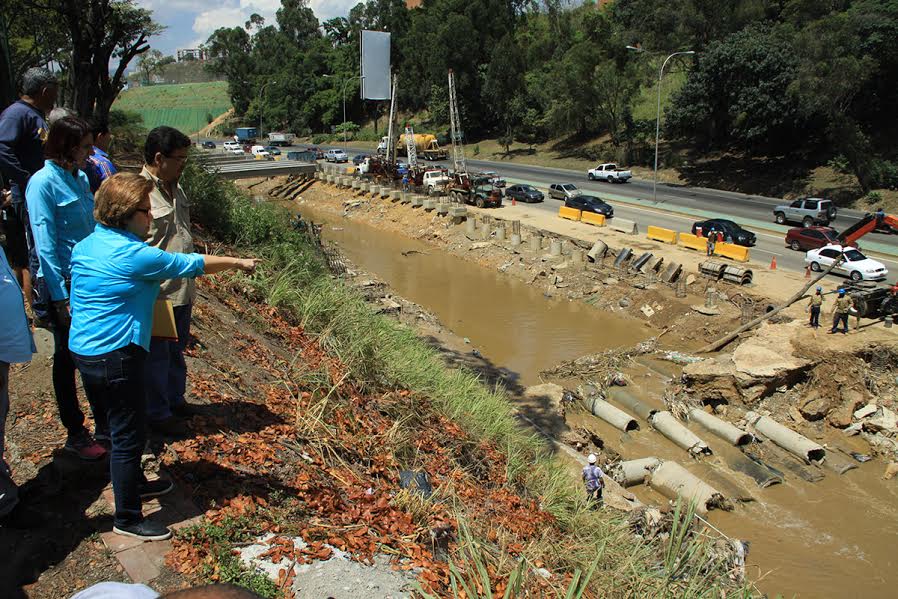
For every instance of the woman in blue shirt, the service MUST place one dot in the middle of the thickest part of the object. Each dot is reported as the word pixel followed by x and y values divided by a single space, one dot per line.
pixel 60 209
pixel 115 282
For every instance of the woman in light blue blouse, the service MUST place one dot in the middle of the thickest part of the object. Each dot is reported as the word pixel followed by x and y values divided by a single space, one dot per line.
pixel 115 282
pixel 60 210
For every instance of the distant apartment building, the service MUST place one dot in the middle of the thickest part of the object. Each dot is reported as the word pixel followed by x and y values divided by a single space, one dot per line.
pixel 409 4
pixel 191 54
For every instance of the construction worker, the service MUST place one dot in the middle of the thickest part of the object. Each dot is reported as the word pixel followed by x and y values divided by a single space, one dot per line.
pixel 594 479
pixel 712 242
pixel 840 312
pixel 814 307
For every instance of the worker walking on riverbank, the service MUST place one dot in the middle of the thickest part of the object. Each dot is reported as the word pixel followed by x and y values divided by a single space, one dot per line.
pixel 594 479
pixel 814 307
pixel 840 312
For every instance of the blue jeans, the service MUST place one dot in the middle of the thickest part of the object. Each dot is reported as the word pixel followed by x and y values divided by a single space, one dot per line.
pixel 9 492
pixel 815 316
pixel 167 370
pixel 840 317
pixel 66 391
pixel 117 379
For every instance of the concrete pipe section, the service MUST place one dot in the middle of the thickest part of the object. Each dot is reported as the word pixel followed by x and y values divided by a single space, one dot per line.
pixel 673 481
pixel 786 438
pixel 721 428
pixel 666 424
pixel 629 401
pixel 616 418
pixel 597 252
pixel 634 472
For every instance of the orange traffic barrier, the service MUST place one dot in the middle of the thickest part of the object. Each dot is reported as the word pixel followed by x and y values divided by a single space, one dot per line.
pixel 773 263
pixel 591 218
pixel 569 213
pixel 661 234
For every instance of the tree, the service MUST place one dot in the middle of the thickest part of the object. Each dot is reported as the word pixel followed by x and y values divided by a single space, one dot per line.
pixel 734 97
pixel 152 62
pixel 97 31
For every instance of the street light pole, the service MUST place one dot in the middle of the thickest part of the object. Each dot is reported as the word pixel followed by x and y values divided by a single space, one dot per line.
pixel 345 81
pixel 658 115
pixel 261 91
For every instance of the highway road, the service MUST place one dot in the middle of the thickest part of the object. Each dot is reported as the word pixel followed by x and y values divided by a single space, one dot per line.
pixel 677 207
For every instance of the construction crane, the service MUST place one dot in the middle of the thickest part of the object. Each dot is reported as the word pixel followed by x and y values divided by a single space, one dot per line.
pixel 391 140
pixel 458 148
pixel 868 224
pixel 410 147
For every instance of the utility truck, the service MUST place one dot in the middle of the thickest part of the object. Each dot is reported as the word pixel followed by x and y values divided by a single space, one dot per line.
pixel 246 135
pixel 280 139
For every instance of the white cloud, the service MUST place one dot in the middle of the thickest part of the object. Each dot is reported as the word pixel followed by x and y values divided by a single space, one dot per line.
pixel 328 9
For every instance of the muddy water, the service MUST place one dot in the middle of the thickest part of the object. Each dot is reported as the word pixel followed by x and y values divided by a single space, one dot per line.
pixel 833 538
pixel 512 324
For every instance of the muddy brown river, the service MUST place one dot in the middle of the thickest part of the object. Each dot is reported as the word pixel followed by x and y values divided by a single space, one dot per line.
pixel 833 538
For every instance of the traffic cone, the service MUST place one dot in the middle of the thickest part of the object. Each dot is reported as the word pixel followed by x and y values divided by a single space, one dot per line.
pixel 807 272
pixel 773 263
pixel 514 201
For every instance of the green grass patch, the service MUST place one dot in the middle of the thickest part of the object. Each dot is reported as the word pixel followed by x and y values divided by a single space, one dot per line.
pixel 185 106
pixel 646 105
pixel 382 354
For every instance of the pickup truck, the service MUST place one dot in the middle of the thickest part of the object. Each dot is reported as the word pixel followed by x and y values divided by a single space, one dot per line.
pixel 434 181
pixel 608 172
pixel 807 211
pixel 336 156
pixel 232 147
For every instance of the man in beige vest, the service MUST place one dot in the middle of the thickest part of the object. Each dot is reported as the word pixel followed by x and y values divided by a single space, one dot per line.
pixel 165 154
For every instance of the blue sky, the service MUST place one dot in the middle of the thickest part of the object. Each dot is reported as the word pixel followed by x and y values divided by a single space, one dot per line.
pixel 190 22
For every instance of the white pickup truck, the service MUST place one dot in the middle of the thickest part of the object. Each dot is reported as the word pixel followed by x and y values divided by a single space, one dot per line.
pixel 434 181
pixel 608 172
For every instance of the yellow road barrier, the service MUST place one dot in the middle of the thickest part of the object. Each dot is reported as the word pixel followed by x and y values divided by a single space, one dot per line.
pixel 569 213
pixel 350 170
pixel 591 218
pixel 660 234
pixel 731 250
pixel 693 242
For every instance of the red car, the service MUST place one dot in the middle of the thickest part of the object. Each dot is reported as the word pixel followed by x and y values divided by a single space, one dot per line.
pixel 802 239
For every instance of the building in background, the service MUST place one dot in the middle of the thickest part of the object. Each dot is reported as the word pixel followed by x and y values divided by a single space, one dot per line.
pixel 191 54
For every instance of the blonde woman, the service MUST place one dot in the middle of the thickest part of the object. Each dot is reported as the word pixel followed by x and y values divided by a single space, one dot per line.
pixel 115 282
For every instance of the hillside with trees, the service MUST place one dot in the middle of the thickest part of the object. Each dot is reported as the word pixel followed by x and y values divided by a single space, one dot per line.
pixel 790 84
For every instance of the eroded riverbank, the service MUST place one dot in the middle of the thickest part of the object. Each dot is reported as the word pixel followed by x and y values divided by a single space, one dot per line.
pixel 829 538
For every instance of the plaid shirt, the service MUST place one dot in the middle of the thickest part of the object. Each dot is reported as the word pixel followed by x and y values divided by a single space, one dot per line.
pixel 99 168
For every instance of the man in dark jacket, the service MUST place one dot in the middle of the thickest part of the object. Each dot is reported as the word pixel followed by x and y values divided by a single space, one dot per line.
pixel 23 131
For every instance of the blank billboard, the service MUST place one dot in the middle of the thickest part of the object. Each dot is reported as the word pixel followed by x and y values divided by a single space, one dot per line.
pixel 375 65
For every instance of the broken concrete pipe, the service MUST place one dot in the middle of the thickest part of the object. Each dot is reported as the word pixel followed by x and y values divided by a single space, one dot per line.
pixel 721 428
pixel 629 401
pixel 470 227
pixel 500 232
pixel 515 239
pixel 613 416
pixel 597 252
pixel 633 472
pixel 838 463
pixel 786 438
pixel 555 247
pixel 673 481
pixel 666 424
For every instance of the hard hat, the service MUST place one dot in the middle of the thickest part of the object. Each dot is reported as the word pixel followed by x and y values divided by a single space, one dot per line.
pixel 819 288
pixel 592 458
pixel 841 292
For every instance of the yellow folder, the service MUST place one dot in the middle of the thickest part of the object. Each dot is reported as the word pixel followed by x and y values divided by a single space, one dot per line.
pixel 164 321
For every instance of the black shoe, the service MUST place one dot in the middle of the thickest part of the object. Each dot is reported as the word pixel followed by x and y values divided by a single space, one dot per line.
pixel 22 517
pixel 146 530
pixel 155 488
pixel 169 427
pixel 185 410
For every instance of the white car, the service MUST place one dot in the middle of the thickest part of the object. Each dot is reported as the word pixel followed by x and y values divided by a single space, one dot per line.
pixel 855 265
pixel 232 147
pixel 260 151
pixel 434 181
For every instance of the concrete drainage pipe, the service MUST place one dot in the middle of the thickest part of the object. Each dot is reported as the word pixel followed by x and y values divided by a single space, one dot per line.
pixel 613 416
pixel 632 403
pixel 721 428
pixel 673 481
pixel 673 429
pixel 786 438
pixel 634 472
